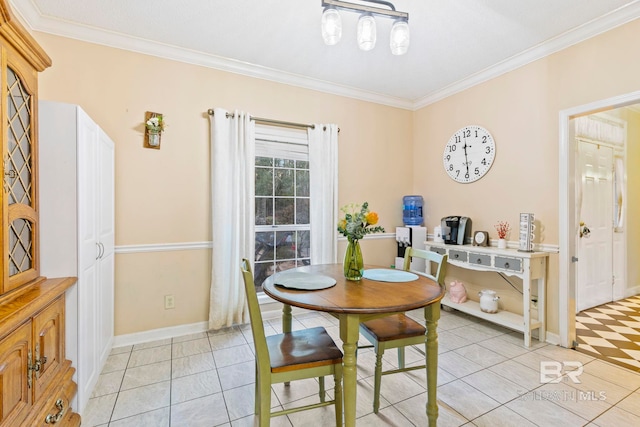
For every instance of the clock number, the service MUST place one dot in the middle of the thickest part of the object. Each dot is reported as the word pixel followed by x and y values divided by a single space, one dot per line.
pixel 488 151
pixel 457 173
pixel 484 138
pixel 466 175
pixel 452 148
pixel 457 139
pixel 484 161
pixel 448 157
pixel 451 167
pixel 477 171
pixel 466 134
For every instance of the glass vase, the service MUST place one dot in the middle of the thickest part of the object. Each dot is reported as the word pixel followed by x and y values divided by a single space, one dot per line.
pixel 353 265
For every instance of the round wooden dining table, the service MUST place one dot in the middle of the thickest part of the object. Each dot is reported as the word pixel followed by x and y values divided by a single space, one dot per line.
pixel 353 302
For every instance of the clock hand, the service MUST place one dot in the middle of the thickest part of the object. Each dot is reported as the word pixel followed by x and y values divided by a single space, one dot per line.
pixel 466 160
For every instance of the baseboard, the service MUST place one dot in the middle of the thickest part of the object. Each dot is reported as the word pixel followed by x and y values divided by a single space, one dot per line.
pixel 270 311
pixel 632 291
pixel 552 338
pixel 159 334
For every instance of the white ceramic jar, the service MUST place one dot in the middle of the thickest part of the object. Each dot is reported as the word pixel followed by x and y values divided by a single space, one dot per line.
pixel 488 301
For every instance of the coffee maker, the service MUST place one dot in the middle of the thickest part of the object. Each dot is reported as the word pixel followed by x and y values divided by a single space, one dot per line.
pixel 456 230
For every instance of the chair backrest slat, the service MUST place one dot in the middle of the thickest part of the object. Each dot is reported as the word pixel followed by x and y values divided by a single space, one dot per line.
pixel 440 260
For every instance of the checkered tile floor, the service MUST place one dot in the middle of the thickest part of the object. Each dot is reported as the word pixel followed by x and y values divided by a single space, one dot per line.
pixel 611 332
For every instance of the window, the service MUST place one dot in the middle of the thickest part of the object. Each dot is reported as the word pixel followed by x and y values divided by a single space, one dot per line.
pixel 282 196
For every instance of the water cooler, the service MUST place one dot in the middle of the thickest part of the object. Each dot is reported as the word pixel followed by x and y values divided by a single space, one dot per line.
pixel 412 234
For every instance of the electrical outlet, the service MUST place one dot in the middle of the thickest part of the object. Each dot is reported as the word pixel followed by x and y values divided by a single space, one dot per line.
pixel 169 302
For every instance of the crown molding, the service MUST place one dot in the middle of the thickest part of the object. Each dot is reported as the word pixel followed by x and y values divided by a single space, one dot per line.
pixel 31 18
pixel 590 29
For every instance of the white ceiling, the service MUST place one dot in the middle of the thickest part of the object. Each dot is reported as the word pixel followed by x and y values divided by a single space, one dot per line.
pixel 454 44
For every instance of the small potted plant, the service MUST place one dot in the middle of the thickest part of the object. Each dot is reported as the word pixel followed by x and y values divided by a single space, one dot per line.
pixel 503 229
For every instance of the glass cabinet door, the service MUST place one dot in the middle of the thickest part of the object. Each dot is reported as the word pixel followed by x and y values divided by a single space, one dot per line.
pixel 19 188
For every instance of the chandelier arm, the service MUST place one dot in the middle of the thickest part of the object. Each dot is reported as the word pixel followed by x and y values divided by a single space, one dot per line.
pixel 371 9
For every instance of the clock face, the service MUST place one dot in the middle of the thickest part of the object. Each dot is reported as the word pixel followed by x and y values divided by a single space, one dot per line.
pixel 479 237
pixel 469 154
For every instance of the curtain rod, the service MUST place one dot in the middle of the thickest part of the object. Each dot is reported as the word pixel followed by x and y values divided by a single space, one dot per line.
pixel 271 121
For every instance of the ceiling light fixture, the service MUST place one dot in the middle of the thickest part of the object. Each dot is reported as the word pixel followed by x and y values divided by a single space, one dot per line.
pixel 332 24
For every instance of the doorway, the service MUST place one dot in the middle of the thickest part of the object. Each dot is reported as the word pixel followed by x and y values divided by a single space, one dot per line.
pixel 569 221
pixel 600 144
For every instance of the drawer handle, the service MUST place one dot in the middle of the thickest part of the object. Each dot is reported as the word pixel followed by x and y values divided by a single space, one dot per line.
pixel 456 255
pixel 53 419
pixel 506 265
pixel 479 261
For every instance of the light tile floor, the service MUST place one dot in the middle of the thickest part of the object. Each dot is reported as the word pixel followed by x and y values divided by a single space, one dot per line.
pixel 485 378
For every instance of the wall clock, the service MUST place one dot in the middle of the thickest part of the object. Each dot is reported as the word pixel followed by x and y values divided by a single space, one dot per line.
pixel 469 154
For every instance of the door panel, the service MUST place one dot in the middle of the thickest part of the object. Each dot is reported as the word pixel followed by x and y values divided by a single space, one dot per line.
pixel 595 247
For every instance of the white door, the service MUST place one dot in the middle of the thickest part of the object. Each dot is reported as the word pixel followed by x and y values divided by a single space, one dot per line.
pixel 595 245
pixel 106 237
pixel 88 253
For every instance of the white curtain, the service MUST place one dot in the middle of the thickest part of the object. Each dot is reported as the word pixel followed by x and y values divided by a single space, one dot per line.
pixel 232 214
pixel 323 181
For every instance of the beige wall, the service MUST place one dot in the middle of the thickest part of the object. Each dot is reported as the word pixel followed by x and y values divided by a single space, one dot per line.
pixel 521 110
pixel 633 198
pixel 162 196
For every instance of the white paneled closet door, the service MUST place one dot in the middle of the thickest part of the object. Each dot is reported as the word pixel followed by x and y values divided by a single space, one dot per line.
pixel 106 241
pixel 77 209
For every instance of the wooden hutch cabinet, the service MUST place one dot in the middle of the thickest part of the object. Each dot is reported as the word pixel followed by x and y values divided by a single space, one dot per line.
pixel 36 384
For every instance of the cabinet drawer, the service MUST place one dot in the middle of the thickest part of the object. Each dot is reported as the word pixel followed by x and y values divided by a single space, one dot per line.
pixel 440 251
pixel 480 259
pixel 513 264
pixel 457 255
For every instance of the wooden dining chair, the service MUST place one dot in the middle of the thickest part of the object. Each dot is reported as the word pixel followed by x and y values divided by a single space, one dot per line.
pixel 291 356
pixel 399 330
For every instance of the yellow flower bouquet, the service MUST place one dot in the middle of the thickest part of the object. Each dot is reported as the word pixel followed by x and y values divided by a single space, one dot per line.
pixel 358 221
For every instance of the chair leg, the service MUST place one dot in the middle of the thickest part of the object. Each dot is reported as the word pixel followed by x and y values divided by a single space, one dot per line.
pixel 257 394
pixel 322 393
pixel 264 417
pixel 401 357
pixel 337 379
pixel 377 380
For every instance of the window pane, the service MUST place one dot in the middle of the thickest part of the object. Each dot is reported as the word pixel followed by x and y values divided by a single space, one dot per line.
pixel 283 182
pixel 264 161
pixel 262 270
pixel 302 164
pixel 265 243
pixel 284 211
pixel 286 245
pixel 302 183
pixel 304 244
pixel 264 211
pixel 283 163
pixel 264 182
pixel 302 211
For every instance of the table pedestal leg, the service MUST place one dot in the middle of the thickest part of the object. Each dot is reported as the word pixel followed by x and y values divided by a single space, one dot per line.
pixel 286 325
pixel 349 334
pixel 286 318
pixel 431 316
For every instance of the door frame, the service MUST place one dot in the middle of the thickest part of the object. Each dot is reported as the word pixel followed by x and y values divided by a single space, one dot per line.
pixel 568 224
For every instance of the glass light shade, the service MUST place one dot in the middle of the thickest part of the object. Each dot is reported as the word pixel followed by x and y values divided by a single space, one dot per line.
pixel 366 32
pixel 400 38
pixel 331 26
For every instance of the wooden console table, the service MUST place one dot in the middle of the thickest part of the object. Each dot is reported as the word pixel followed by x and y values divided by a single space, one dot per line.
pixel 529 266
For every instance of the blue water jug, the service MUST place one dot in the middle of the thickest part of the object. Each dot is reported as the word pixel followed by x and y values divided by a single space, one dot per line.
pixel 412 210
